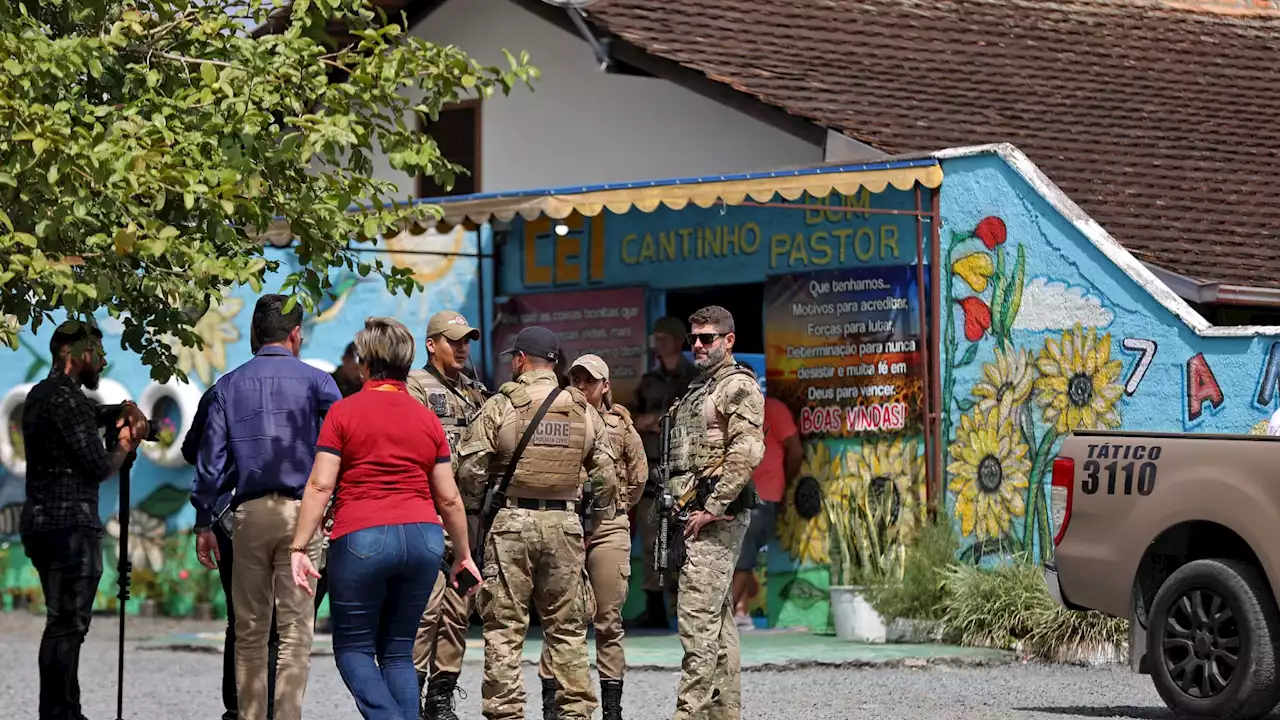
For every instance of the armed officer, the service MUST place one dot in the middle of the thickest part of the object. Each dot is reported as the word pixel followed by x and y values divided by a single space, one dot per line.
pixel 532 442
pixel 447 391
pixel 716 442
pixel 609 546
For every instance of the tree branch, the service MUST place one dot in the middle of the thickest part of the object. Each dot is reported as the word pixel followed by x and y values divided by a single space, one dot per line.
pixel 184 59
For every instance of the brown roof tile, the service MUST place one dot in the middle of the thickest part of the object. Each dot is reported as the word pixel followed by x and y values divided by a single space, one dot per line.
pixel 1161 123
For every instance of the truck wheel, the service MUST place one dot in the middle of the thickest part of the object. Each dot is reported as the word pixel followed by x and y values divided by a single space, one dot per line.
pixel 1210 642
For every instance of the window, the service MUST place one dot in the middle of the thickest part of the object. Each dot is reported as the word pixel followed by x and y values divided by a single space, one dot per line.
pixel 745 302
pixel 457 132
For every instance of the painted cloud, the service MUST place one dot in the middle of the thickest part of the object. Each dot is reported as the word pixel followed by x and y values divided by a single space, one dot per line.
pixel 1051 305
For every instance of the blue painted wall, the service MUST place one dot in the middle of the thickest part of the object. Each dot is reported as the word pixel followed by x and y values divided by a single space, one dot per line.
pixel 162 515
pixel 1065 340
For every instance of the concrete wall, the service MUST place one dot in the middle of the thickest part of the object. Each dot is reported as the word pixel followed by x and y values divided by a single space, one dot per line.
pixel 580 126
pixel 1051 326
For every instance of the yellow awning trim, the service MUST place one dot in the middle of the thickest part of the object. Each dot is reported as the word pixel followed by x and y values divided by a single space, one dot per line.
pixel 675 196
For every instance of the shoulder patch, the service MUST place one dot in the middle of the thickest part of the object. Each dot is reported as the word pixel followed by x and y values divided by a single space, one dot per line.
pixel 516 392
pixel 622 412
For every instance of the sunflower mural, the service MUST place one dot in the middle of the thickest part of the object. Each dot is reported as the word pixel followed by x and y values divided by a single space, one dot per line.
pixel 1002 434
pixel 988 473
pixel 803 528
pixel 218 329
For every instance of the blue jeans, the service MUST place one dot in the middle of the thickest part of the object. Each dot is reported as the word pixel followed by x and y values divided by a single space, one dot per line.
pixel 380 580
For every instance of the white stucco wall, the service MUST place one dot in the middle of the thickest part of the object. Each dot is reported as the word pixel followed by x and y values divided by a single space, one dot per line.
pixel 581 126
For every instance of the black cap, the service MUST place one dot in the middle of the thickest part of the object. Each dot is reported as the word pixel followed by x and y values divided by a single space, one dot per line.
pixel 537 342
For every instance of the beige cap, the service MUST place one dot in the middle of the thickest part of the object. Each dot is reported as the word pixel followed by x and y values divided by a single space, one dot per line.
pixel 592 364
pixel 452 325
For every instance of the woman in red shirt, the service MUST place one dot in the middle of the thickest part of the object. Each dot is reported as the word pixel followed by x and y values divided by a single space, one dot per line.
pixel 389 460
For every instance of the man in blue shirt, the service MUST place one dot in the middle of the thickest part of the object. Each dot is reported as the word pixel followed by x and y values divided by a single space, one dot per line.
pixel 260 438
pixel 218 544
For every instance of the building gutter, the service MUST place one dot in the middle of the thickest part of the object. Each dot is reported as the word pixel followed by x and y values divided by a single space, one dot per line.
pixel 1206 293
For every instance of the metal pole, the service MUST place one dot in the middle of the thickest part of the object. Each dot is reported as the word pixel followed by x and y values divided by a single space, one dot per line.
pixel 124 570
pixel 926 356
pixel 935 240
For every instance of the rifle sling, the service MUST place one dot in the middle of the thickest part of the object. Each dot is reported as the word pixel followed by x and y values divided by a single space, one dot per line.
pixel 524 442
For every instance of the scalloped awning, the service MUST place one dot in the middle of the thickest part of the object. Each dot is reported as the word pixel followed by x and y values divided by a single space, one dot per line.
pixel 703 192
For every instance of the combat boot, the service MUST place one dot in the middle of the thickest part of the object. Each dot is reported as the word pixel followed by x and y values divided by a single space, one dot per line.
pixel 438 704
pixel 550 710
pixel 611 699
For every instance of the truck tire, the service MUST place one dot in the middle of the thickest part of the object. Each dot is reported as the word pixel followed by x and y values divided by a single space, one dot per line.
pixel 1206 614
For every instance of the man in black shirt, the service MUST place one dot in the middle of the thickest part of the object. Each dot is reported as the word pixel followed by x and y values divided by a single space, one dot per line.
pixel 658 389
pixel 60 528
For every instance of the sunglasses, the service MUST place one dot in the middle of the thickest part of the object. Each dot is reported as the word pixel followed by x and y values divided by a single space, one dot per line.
pixel 707 339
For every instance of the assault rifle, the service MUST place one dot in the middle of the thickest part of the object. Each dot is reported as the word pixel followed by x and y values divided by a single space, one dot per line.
pixel 666 503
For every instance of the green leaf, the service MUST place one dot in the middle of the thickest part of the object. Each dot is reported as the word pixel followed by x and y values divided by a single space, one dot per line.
pixel 208 73
pixel 965 404
pixel 968 356
pixel 1015 294
pixel 38 145
pixel 8 179
pixel 164 502
pixel 26 239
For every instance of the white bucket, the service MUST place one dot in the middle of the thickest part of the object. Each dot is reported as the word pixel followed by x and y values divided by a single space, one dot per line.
pixel 854 618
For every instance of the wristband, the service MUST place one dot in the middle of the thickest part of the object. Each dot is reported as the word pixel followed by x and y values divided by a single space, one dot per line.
pixel 298 550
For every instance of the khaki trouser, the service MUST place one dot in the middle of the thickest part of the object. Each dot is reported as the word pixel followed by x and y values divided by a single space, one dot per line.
pixel 609 572
pixel 711 672
pixel 534 555
pixel 262 577
pixel 441 642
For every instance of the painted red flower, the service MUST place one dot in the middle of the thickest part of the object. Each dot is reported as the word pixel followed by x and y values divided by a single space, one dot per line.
pixel 991 231
pixel 977 318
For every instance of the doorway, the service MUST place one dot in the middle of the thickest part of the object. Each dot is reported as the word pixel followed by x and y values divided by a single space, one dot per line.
pixel 745 302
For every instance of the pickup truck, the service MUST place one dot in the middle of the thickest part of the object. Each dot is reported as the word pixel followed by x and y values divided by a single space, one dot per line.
pixel 1180 533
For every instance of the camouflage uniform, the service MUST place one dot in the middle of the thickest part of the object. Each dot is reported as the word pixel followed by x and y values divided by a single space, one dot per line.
pixel 716 432
pixel 609 551
pixel 534 547
pixel 441 642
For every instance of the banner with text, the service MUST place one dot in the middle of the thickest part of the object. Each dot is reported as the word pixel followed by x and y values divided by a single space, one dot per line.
pixel 843 350
pixel 608 323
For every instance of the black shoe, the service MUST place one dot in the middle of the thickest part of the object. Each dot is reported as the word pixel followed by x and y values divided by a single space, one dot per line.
pixel 550 710
pixel 438 703
pixel 611 699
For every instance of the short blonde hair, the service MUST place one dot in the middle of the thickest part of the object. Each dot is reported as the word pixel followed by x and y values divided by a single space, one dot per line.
pixel 385 346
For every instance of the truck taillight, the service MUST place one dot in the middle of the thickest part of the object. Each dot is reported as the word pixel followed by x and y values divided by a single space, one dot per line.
pixel 1064 480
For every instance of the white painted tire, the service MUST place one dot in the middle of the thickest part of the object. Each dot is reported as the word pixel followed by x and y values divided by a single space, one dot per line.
pixel 187 398
pixel 109 392
pixel 324 365
pixel 8 454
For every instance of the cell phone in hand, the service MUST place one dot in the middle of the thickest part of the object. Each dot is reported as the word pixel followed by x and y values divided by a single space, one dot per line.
pixel 466 580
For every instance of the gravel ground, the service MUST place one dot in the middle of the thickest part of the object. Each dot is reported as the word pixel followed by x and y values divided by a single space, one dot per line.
pixel 185 686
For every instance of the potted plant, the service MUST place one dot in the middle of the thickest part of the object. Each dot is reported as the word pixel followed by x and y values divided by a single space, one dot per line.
pixel 864 557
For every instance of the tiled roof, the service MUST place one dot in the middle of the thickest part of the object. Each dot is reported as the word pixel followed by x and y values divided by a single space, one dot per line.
pixel 1162 123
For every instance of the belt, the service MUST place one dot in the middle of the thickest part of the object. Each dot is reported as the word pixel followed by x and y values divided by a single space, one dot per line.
pixel 532 504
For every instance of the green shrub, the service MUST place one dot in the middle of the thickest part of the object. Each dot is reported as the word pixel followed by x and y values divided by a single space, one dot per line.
pixel 998 607
pixel 922 594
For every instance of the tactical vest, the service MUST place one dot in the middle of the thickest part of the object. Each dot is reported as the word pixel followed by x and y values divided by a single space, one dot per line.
pixel 455 405
pixel 618 425
pixel 551 465
pixel 694 452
